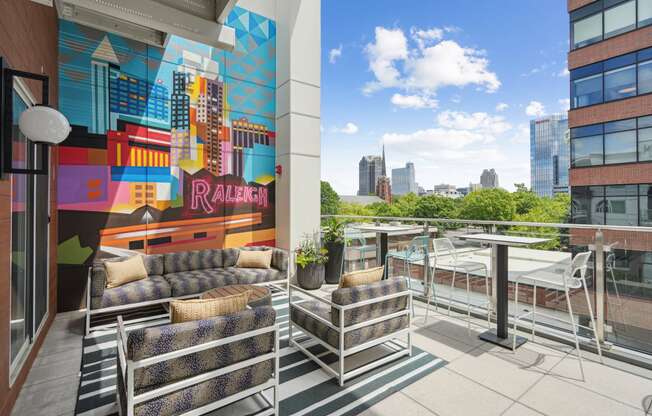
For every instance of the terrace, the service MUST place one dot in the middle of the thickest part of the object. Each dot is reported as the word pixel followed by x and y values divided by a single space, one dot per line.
pixel 191 146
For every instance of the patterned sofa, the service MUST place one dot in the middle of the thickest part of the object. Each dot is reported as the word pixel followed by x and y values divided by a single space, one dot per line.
pixel 354 319
pixel 178 275
pixel 198 366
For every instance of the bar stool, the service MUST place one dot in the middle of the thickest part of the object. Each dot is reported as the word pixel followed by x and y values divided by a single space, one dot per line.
pixel 562 281
pixel 415 253
pixel 446 257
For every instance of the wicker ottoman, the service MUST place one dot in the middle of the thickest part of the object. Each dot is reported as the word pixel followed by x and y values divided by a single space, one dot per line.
pixel 260 295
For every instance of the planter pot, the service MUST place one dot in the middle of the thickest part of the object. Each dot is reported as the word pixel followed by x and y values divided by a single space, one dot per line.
pixel 310 277
pixel 334 264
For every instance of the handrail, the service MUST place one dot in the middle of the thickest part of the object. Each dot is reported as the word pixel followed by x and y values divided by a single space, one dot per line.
pixel 594 227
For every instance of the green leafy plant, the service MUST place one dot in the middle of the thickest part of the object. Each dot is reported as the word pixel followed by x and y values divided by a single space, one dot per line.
pixel 309 253
pixel 334 231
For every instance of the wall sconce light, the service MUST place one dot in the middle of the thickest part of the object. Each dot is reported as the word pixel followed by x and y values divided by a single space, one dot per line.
pixel 279 170
pixel 40 124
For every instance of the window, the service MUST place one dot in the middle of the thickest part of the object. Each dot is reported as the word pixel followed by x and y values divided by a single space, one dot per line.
pixel 620 83
pixel 621 205
pixel 645 77
pixel 587 30
pixel 587 91
pixel 620 19
pixel 644 12
pixel 645 205
pixel 587 205
pixel 587 151
pixel 620 141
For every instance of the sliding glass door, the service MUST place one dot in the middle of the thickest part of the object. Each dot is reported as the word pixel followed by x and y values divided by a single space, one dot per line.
pixel 29 238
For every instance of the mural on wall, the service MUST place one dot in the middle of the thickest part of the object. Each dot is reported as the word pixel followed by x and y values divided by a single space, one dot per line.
pixel 172 149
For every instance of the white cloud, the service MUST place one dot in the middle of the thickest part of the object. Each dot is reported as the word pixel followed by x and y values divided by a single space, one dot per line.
pixel 482 123
pixel 500 107
pixel 563 73
pixel 521 134
pixel 349 128
pixel 334 54
pixel 414 101
pixel 389 46
pixel 564 103
pixel 433 64
pixel 535 109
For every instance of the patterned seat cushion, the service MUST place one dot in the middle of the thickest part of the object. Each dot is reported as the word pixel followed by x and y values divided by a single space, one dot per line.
pixel 252 276
pixel 192 260
pixel 347 296
pixel 197 281
pixel 352 338
pixel 154 341
pixel 148 289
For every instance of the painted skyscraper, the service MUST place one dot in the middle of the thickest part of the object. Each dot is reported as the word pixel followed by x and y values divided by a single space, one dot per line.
pixel 549 155
pixel 403 180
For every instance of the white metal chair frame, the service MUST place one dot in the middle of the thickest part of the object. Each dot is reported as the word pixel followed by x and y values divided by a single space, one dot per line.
pixel 343 352
pixel 280 284
pixel 127 368
pixel 568 281
pixel 443 247
pixel 415 253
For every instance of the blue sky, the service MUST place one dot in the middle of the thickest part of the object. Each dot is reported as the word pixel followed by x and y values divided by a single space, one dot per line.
pixel 448 85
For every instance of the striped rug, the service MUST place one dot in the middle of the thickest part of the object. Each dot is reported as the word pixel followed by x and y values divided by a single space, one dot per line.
pixel 305 389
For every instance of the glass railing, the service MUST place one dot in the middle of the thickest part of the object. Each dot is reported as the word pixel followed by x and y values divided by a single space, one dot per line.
pixel 618 278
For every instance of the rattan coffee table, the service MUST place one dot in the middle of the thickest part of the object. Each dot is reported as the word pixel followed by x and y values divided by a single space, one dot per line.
pixel 260 295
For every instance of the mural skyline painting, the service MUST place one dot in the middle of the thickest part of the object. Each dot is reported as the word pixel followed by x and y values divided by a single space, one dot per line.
pixel 172 149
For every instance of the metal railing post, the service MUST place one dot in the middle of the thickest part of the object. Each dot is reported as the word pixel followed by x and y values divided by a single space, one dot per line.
pixel 599 279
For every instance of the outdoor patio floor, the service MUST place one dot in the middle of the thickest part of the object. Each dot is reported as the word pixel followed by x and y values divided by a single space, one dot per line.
pixel 542 378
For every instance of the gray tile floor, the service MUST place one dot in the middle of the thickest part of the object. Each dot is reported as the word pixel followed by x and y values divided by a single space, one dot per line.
pixel 541 378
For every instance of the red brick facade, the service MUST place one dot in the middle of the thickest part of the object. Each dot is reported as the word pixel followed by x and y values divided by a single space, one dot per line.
pixel 576 4
pixel 619 45
pixel 629 173
pixel 616 110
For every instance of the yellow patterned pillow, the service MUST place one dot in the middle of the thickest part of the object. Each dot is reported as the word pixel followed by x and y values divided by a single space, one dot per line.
pixel 120 272
pixel 196 309
pixel 362 277
pixel 254 259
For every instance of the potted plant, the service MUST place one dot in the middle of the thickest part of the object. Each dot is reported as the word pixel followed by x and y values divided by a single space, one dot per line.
pixel 310 261
pixel 333 239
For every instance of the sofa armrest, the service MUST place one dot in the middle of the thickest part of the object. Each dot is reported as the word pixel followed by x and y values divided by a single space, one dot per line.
pixel 97 279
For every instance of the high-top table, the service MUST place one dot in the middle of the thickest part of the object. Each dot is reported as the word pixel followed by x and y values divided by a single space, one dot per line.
pixel 499 253
pixel 384 230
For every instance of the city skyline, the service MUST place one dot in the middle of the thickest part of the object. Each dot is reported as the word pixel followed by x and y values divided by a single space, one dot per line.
pixel 389 79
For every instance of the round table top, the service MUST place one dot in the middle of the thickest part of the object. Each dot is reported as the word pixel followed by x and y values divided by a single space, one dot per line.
pixel 257 292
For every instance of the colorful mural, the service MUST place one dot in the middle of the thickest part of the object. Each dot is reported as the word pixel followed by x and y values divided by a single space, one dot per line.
pixel 172 149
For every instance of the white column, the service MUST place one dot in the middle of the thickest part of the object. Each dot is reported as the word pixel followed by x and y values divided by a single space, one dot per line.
pixel 298 119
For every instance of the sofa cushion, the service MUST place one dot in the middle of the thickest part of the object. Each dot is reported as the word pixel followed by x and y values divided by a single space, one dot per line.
pixel 331 336
pixel 119 273
pixel 198 281
pixel 261 259
pixel 252 276
pixel 153 265
pixel 230 257
pixel 192 260
pixel 148 289
pixel 154 341
pixel 279 257
pixel 362 277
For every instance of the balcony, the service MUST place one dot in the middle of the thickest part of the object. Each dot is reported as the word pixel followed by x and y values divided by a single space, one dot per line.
pixel 465 374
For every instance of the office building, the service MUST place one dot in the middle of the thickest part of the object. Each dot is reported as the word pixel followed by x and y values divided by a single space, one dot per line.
pixel 610 121
pixel 448 191
pixel 403 180
pixel 489 179
pixel 549 155
pixel 370 169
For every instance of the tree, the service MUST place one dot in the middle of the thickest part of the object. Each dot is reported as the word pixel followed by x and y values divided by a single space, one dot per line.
pixel 488 204
pixel 435 206
pixel 546 210
pixel 524 199
pixel 330 200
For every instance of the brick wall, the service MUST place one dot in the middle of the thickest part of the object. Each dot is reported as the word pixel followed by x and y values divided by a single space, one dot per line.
pixel 616 110
pixel 576 4
pixel 629 173
pixel 619 45
pixel 29 36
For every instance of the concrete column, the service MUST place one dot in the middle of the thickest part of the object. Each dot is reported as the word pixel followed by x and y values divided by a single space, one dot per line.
pixel 298 119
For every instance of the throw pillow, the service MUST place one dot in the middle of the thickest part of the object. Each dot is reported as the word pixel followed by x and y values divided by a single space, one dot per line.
pixel 362 277
pixel 120 272
pixel 196 309
pixel 254 259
